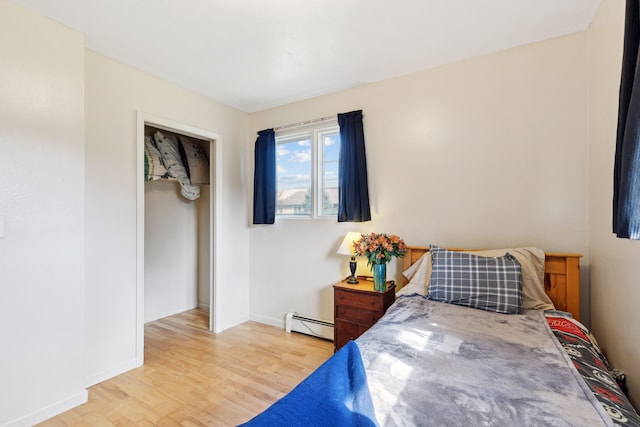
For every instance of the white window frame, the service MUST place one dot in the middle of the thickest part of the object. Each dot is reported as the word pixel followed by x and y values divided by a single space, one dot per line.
pixel 321 179
pixel 315 132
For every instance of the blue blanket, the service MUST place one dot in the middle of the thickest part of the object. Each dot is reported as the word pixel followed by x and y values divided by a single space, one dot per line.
pixel 336 394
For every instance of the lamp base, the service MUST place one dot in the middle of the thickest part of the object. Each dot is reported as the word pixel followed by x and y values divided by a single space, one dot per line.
pixel 352 268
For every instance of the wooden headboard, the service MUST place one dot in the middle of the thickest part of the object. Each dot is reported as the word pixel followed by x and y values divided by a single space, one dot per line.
pixel 561 277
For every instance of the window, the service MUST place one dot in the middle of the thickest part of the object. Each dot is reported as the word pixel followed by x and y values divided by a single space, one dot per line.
pixel 307 171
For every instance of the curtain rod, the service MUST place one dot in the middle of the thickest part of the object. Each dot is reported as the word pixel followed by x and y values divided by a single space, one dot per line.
pixel 307 122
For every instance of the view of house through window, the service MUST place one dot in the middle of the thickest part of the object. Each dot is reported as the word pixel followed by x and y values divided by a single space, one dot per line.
pixel 307 171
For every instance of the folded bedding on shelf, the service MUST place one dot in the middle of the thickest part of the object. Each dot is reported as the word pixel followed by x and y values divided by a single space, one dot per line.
pixel 153 166
pixel 180 159
pixel 168 147
pixel 195 160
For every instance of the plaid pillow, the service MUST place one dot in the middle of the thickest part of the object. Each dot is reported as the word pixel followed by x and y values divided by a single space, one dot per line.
pixel 492 284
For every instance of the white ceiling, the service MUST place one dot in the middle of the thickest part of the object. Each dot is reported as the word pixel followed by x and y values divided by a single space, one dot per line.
pixel 258 54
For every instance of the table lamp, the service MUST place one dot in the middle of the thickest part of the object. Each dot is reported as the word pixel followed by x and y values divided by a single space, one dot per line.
pixel 346 248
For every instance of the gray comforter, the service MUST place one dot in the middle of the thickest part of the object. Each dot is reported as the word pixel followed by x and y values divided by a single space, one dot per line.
pixel 436 364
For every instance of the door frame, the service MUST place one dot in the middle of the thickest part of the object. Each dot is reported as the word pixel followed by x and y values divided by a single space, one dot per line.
pixel 215 209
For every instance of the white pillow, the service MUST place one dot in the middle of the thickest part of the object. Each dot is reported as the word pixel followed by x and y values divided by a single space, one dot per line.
pixel 531 261
pixel 417 276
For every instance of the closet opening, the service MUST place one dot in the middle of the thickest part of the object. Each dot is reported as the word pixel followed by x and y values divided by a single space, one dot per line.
pixel 177 215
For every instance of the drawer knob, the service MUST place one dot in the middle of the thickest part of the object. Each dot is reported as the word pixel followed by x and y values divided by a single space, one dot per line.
pixel 372 302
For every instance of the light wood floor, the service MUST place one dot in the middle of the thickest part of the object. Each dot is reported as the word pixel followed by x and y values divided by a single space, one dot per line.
pixel 192 377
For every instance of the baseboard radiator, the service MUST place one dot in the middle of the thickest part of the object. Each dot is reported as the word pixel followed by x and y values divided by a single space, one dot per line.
pixel 295 322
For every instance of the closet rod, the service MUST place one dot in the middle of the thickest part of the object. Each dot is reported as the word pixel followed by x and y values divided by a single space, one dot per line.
pixel 307 122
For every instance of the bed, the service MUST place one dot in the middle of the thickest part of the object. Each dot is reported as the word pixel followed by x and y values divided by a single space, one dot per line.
pixel 474 338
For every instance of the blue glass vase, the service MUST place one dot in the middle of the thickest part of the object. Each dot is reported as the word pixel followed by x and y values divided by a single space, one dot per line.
pixel 379 277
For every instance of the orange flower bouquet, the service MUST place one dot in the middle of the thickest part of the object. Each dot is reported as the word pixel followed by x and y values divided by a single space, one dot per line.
pixel 379 248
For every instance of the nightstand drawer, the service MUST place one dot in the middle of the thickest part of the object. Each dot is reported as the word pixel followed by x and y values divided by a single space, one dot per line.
pixel 357 307
pixel 362 300
pixel 358 315
pixel 344 332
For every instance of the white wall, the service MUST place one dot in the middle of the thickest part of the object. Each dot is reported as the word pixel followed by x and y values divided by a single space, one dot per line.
pixel 171 250
pixel 42 200
pixel 114 93
pixel 489 152
pixel 615 271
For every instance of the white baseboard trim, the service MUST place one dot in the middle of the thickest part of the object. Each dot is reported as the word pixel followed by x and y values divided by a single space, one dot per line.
pixel 273 321
pixel 157 315
pixel 281 323
pixel 50 411
pixel 110 373
pixel 230 323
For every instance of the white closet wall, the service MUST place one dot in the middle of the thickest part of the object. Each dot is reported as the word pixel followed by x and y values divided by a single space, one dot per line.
pixel 176 255
pixel 204 219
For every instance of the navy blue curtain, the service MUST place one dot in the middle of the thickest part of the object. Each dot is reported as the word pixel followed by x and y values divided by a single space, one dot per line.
pixel 626 173
pixel 264 178
pixel 353 188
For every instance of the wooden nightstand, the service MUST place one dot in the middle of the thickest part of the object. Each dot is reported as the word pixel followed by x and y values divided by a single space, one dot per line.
pixel 357 308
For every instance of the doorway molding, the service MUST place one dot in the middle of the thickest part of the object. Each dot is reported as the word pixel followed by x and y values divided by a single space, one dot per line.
pixel 215 193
